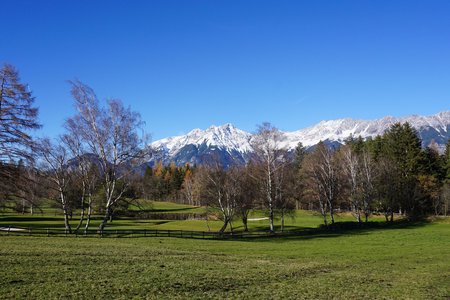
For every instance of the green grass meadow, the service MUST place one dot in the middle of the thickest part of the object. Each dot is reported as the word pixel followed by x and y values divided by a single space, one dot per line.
pixel 400 261
pixel 52 218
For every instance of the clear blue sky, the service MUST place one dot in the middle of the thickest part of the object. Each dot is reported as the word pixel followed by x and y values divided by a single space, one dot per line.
pixel 187 64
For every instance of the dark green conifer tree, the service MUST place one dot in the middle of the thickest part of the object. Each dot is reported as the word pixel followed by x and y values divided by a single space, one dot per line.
pixel 402 147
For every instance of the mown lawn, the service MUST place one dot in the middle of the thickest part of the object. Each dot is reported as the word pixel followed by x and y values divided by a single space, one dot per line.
pixel 399 262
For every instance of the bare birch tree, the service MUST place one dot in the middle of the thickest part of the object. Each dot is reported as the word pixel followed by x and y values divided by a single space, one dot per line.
pixel 54 158
pixel 269 155
pixel 111 134
pixel 189 188
pixel 221 191
pixel 323 181
pixel 85 168
pixel 352 172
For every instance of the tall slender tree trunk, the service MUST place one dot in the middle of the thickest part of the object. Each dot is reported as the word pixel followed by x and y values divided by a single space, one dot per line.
pixel 245 221
pixel 271 226
pixel 65 211
pixel 366 210
pixel 105 219
pixel 270 202
pixel 358 215
pixel 323 212
pixel 81 219
pixel 224 226
pixel 331 212
pixel 89 213
pixel 82 210
pixel 66 222
pixel 88 219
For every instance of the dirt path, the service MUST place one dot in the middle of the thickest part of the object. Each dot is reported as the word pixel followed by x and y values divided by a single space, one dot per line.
pixel 11 229
pixel 258 219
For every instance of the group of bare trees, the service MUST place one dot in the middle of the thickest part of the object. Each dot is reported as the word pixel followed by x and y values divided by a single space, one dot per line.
pixel 95 157
pixel 99 151
pixel 347 173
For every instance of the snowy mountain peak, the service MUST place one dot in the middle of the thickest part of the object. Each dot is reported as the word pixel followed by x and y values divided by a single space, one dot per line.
pixel 226 136
pixel 429 127
pixel 231 143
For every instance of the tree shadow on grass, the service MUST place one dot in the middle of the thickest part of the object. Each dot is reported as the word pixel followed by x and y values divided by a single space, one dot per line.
pixel 336 230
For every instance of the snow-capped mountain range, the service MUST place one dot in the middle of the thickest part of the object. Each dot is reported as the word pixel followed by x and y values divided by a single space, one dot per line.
pixel 233 145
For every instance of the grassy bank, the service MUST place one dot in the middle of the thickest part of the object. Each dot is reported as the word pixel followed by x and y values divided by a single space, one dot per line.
pixel 53 219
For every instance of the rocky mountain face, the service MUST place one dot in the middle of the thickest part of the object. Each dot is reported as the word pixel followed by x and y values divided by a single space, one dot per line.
pixel 229 145
pixel 225 144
